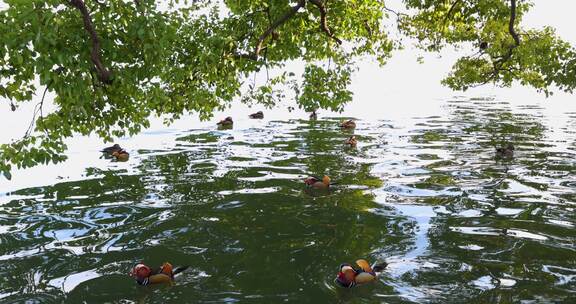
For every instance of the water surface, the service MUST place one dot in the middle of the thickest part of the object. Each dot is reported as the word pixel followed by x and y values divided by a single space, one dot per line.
pixel 424 195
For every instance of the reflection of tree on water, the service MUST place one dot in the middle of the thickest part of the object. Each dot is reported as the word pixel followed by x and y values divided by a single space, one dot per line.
pixel 238 210
pixel 496 228
pixel 454 223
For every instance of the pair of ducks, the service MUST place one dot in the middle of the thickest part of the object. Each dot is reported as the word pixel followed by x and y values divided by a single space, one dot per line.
pixel 117 152
pixel 144 275
pixel 228 122
pixel 350 124
pixel 347 276
pixel 318 183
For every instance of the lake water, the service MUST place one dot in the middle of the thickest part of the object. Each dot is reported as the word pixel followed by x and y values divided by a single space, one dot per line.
pixel 423 193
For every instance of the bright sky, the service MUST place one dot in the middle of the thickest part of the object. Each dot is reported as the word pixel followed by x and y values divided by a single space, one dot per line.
pixel 403 79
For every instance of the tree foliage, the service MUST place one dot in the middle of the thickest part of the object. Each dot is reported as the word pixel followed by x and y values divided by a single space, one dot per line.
pixel 113 64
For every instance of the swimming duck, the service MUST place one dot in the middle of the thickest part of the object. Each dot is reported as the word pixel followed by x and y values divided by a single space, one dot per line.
pixel 313 115
pixel 227 122
pixel 352 142
pixel 505 152
pixel 349 277
pixel 314 182
pixel 349 124
pixel 145 275
pixel 111 149
pixel 257 115
pixel 121 155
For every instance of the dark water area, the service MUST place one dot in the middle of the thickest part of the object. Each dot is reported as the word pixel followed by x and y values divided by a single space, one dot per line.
pixel 426 195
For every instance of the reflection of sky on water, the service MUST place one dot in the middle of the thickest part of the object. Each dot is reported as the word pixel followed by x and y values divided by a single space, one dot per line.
pixel 402 89
pixel 451 207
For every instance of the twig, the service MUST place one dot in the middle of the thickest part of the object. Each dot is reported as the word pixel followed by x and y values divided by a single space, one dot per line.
pixel 398 15
pixel 368 28
pixel 42 101
pixel 37 108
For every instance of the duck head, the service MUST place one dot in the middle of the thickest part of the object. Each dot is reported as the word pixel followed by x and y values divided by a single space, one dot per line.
pixel 310 180
pixel 141 271
pixel 111 149
pixel 346 276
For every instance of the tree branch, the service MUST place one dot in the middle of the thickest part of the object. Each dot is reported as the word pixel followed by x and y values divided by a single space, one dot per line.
pixel 452 7
pixel 103 73
pixel 511 23
pixel 323 24
pixel 274 26
pixel 37 109
pixel 499 61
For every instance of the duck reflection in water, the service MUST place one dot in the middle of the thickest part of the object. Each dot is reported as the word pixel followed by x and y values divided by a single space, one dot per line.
pixel 351 141
pixel 506 152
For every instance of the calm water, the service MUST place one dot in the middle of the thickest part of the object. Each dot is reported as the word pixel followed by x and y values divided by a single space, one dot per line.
pixel 425 195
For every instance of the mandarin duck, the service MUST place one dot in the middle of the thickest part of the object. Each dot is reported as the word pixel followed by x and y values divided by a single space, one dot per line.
pixel 111 149
pixel 316 183
pixel 144 275
pixel 121 155
pixel 349 124
pixel 257 115
pixel 349 277
pixel 226 122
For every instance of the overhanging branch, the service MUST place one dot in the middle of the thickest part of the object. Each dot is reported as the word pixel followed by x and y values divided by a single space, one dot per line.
pixel 499 62
pixel 103 73
pixel 323 23
pixel 452 7
pixel 511 23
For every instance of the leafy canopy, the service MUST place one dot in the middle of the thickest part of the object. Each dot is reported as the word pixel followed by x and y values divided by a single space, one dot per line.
pixel 112 64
